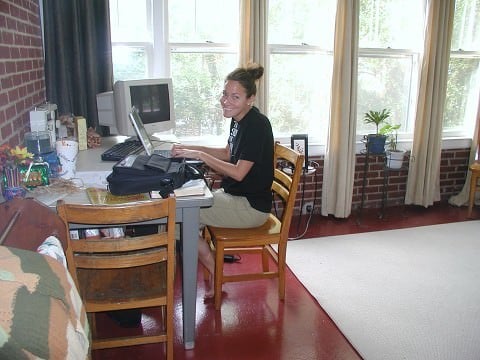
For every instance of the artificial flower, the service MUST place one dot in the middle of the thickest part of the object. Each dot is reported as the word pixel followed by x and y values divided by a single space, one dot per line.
pixel 11 157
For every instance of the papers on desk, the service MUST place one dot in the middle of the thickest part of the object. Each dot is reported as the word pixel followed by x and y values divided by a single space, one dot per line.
pixel 58 189
pixel 191 188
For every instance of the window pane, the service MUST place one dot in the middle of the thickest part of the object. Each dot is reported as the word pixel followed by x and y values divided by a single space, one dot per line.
pixel 199 21
pixel 384 82
pixel 466 25
pixel 128 21
pixel 462 94
pixel 391 23
pixel 197 84
pixel 463 83
pixel 129 62
pixel 299 101
pixel 301 21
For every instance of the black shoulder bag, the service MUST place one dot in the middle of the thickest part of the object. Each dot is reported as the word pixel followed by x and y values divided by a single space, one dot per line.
pixel 142 173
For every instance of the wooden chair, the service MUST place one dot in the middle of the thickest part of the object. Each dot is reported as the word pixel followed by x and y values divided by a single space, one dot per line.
pixel 259 240
pixel 124 273
pixel 474 187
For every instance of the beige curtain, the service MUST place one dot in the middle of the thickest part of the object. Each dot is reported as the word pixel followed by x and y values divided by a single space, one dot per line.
pixel 461 198
pixel 339 164
pixel 423 184
pixel 253 40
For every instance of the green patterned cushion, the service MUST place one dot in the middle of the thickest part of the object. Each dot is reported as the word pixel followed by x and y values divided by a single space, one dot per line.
pixel 41 311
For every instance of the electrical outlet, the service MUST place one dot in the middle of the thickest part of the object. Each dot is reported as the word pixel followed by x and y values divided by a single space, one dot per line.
pixel 307 207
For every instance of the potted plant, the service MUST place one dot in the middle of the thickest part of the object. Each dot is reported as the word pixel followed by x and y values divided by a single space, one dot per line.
pixel 394 156
pixel 376 142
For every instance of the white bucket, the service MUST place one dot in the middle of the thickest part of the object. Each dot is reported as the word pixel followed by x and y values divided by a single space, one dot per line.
pixel 395 159
pixel 67 151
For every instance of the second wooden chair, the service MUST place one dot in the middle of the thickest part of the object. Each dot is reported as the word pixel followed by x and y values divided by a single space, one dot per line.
pixel 124 273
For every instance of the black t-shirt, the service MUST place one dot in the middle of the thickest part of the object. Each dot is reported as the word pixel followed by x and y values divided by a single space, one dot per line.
pixel 252 139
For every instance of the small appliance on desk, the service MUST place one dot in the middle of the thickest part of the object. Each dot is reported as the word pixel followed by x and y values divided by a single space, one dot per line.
pixel 45 164
pixel 43 118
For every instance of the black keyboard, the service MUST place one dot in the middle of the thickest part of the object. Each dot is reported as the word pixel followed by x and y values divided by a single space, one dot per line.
pixel 119 151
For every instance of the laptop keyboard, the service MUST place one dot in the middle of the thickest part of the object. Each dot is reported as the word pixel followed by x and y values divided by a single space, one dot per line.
pixel 118 151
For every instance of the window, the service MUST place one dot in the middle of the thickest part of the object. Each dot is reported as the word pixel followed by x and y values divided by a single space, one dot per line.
pixel 132 39
pixel 463 83
pixel 200 57
pixel 300 62
pixel 186 46
pixel 388 64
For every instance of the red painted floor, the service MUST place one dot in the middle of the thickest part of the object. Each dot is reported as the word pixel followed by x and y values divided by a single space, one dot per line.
pixel 254 324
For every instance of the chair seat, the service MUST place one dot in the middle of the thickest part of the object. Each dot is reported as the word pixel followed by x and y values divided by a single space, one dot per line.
pixel 271 227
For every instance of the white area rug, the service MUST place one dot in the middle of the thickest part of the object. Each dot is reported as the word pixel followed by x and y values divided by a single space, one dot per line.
pixel 399 294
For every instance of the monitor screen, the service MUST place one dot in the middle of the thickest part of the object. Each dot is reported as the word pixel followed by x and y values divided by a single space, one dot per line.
pixel 154 100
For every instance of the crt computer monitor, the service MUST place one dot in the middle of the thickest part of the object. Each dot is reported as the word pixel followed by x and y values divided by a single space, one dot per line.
pixel 152 97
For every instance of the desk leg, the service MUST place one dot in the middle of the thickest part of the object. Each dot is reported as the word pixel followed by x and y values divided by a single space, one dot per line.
pixel 190 228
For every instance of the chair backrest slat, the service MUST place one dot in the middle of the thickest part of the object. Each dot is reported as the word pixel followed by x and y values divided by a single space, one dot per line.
pixel 121 244
pixel 120 261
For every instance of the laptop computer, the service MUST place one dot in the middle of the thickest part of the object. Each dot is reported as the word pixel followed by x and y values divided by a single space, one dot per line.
pixel 142 134
pixel 147 143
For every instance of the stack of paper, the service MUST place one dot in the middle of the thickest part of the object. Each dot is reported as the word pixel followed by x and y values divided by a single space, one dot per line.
pixel 191 188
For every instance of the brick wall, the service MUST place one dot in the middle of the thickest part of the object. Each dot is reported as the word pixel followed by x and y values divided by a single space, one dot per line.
pixel 22 79
pixel 453 172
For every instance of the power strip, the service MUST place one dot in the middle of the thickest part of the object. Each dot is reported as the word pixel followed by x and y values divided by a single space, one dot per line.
pixel 288 170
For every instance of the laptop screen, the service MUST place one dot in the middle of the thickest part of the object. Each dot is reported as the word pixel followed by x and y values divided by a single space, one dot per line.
pixel 140 130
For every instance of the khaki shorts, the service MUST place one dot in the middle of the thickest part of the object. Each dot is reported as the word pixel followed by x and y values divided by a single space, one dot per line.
pixel 231 211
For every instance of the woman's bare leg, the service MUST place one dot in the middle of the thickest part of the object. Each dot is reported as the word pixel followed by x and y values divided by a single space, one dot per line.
pixel 206 258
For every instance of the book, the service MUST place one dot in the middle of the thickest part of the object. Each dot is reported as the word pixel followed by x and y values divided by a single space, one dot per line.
pixel 100 196
pixel 191 188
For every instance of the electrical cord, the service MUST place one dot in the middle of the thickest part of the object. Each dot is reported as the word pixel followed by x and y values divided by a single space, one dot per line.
pixel 315 166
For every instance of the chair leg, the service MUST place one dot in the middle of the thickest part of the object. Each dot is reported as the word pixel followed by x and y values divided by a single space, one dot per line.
pixel 471 197
pixel 218 278
pixel 281 281
pixel 170 335
pixel 282 259
pixel 265 259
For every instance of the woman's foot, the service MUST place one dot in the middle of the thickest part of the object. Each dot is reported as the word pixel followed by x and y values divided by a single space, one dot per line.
pixel 209 288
